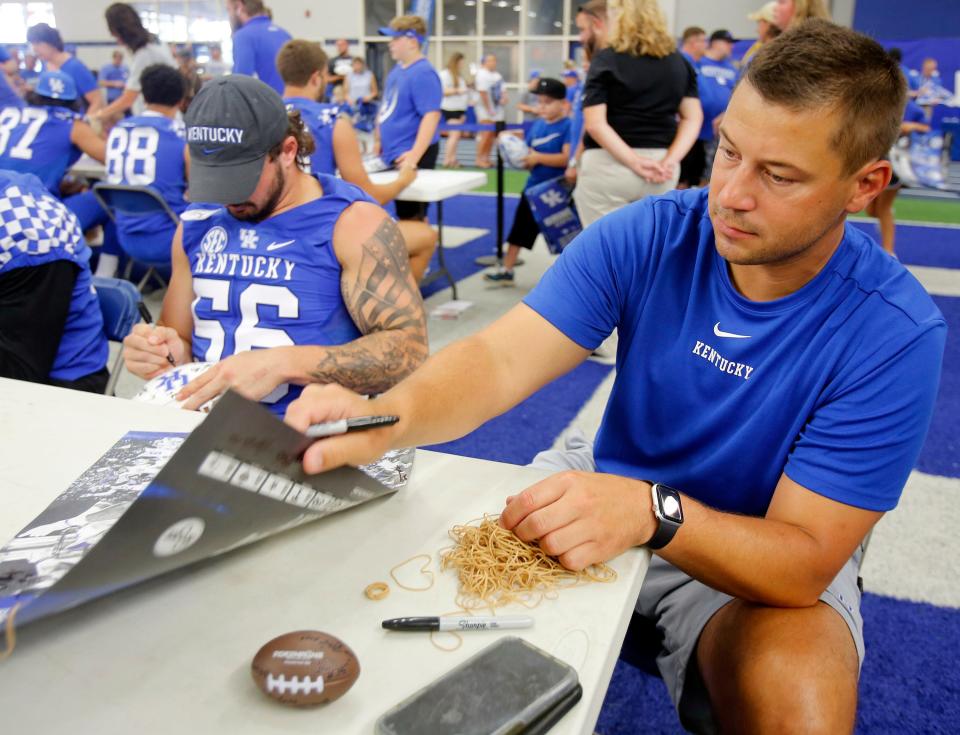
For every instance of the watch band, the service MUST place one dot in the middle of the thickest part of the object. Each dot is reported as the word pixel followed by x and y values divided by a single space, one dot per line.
pixel 666 527
pixel 663 535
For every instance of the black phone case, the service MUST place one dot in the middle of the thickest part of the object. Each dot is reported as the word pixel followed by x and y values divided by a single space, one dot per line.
pixel 474 698
pixel 553 716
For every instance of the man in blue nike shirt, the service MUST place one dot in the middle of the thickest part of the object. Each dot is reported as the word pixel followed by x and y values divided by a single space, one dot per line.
pixel 776 376
pixel 256 41
pixel 410 111
pixel 280 277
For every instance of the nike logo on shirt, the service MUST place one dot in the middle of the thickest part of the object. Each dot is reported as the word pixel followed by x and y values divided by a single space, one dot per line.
pixel 730 335
pixel 545 139
pixel 278 245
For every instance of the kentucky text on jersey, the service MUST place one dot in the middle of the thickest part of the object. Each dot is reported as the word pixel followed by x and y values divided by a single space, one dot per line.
pixel 274 283
pixel 722 364
pixel 234 264
pixel 203 134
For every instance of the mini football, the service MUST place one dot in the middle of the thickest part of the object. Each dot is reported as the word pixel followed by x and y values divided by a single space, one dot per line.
pixel 513 150
pixel 305 668
pixel 162 390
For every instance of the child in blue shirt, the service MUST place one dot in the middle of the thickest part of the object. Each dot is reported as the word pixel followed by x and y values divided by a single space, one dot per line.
pixel 549 142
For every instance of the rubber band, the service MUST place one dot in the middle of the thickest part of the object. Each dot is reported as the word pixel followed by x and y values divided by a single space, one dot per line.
pixel 556 650
pixel 423 570
pixel 496 568
pixel 377 591
pixel 10 633
pixel 457 636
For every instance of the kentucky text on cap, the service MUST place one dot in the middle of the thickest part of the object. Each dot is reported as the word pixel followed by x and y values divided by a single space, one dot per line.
pixel 232 124
pixel 200 134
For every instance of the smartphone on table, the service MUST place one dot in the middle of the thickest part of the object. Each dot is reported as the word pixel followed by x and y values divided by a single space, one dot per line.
pixel 511 687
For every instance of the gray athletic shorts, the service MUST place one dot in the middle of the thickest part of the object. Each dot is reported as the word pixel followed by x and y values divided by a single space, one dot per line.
pixel 681 607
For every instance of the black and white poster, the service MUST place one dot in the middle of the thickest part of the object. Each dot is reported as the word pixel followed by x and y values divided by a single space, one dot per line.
pixel 157 502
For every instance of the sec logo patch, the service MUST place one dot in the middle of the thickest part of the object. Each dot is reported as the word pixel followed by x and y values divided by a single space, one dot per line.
pixel 214 241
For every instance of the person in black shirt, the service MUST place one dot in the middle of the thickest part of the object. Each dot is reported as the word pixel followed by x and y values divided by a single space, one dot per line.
pixel 340 65
pixel 636 89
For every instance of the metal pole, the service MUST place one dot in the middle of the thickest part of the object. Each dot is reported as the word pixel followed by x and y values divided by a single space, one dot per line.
pixel 500 127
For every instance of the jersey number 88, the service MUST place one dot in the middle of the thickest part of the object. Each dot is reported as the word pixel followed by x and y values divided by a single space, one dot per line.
pixel 132 156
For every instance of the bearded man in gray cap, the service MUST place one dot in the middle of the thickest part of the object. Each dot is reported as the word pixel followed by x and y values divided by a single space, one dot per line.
pixel 280 277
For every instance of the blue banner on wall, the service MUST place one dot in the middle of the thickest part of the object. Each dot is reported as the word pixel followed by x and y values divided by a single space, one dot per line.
pixel 921 19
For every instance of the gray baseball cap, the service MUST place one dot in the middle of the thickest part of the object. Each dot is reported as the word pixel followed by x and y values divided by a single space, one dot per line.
pixel 232 124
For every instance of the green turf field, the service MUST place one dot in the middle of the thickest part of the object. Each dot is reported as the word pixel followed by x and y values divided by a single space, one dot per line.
pixel 927 210
pixel 905 208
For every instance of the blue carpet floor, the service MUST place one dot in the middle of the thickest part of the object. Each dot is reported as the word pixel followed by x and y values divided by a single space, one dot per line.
pixel 910 681
pixel 941 451
pixel 470 211
pixel 907 686
pixel 937 247
pixel 533 425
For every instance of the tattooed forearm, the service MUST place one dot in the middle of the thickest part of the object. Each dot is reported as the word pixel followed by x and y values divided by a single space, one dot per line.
pixel 369 365
pixel 386 306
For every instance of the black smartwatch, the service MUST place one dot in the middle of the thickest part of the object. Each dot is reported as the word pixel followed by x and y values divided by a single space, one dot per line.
pixel 669 514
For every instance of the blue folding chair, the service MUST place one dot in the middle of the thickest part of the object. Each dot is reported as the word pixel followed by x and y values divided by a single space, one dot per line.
pixel 135 201
pixel 120 306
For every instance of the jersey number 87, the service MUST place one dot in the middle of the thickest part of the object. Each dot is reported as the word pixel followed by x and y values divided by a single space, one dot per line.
pixel 132 156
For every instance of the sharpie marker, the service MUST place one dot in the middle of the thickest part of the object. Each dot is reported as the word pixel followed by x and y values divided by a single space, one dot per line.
pixel 469 622
pixel 360 423
pixel 145 315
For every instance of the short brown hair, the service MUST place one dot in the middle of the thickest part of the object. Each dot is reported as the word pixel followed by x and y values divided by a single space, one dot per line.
pixel 409 23
pixel 305 142
pixel 692 31
pixel 594 8
pixel 298 60
pixel 817 65
pixel 253 7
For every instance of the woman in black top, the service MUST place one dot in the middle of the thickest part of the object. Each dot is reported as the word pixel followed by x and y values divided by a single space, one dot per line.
pixel 641 112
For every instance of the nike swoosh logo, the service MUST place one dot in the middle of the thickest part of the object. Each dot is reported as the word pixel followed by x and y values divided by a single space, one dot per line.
pixel 546 139
pixel 720 333
pixel 211 151
pixel 278 245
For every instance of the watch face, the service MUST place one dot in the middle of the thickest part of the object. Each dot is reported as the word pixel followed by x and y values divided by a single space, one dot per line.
pixel 669 501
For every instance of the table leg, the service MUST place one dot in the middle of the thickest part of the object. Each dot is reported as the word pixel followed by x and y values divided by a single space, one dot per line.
pixel 442 271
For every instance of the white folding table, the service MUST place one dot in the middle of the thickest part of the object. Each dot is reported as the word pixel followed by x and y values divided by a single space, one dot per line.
pixel 173 654
pixel 435 186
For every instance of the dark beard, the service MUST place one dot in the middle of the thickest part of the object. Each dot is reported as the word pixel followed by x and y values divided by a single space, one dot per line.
pixel 279 181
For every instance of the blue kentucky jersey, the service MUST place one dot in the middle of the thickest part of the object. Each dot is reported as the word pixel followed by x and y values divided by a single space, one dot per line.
pixel 148 150
pixel 36 140
pixel 267 284
pixel 36 229
pixel 319 117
